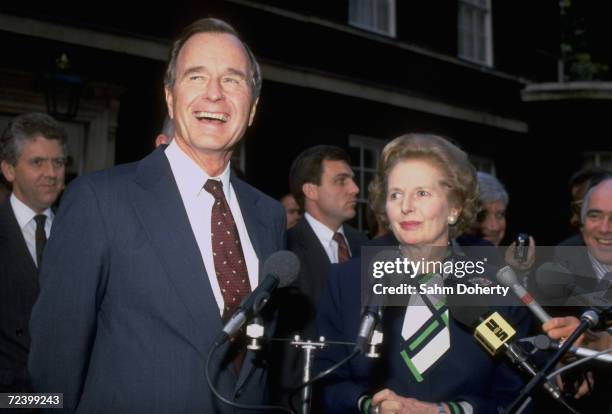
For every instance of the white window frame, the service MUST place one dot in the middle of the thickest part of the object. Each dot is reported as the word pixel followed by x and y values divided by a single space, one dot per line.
pixel 364 144
pixel 469 52
pixel 371 25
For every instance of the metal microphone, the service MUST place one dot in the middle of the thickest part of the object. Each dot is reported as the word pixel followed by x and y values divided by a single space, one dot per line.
pixel 507 277
pixel 544 343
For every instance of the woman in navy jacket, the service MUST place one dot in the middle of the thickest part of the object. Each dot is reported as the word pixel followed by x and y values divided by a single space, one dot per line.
pixel 425 191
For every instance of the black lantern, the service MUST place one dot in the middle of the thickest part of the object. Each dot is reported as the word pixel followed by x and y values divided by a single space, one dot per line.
pixel 63 90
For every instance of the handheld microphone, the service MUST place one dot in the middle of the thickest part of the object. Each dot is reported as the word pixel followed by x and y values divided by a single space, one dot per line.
pixel 281 269
pixel 495 334
pixel 507 277
pixel 544 343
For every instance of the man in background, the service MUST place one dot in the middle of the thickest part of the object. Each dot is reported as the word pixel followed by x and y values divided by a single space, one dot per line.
pixel 33 155
pixel 292 209
pixel 323 185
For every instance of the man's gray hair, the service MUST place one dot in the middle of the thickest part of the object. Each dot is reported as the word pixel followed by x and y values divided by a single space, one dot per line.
pixel 28 127
pixel 211 25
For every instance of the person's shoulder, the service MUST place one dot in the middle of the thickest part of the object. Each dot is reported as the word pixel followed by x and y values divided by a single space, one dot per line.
pixel 6 217
pixel 299 231
pixel 346 271
pixel 108 179
pixel 354 234
pixel 574 240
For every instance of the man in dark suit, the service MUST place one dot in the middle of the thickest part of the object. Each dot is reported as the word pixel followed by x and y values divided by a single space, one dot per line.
pixel 33 158
pixel 148 260
pixel 321 181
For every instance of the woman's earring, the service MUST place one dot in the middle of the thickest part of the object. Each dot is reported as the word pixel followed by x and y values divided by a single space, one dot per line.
pixel 452 220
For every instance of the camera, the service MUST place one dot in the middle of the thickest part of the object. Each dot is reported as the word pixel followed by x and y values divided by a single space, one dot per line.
pixel 522 247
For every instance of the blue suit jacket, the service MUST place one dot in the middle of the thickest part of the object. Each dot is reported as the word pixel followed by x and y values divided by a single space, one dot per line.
pixel 126 314
pixel 466 372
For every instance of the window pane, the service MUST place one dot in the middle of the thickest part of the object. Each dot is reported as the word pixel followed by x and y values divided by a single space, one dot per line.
pixel 369 158
pixel 473 32
pixel 376 15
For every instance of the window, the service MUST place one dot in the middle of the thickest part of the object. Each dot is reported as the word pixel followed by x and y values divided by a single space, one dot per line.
pixel 474 31
pixel 374 15
pixel 601 159
pixel 365 153
pixel 483 164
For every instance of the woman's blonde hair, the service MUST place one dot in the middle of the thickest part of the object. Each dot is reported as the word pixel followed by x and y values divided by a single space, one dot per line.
pixel 459 175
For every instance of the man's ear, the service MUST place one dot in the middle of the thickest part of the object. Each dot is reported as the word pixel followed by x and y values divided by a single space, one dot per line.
pixel 310 191
pixel 169 101
pixel 8 170
pixel 253 110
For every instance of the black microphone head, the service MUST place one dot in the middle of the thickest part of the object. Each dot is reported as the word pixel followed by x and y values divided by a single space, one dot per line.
pixel 554 280
pixel 283 264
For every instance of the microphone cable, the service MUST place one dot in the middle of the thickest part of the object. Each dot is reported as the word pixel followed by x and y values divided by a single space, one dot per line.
pixel 221 398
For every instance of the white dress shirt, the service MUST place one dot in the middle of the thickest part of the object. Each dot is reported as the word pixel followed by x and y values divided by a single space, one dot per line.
pixel 325 236
pixel 190 179
pixel 25 218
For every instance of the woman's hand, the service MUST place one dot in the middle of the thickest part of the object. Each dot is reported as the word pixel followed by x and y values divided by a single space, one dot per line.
pixel 389 402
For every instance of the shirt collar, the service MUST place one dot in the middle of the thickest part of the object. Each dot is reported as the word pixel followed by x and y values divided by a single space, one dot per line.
pixel 321 230
pixel 25 214
pixel 600 268
pixel 189 176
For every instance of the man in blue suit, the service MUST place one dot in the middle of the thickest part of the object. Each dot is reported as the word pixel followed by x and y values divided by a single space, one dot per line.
pixel 134 289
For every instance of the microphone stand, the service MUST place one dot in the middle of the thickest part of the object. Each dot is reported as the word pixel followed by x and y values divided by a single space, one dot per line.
pixel 588 319
pixel 308 347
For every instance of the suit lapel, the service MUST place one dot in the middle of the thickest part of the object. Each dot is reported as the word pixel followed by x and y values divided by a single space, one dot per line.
pixel 311 244
pixel 158 204
pixel 16 244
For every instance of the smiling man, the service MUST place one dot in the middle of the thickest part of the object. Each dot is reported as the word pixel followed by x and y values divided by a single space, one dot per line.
pixel 149 260
pixel 33 157
pixel 596 216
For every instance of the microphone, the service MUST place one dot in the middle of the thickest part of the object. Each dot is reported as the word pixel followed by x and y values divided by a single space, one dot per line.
pixel 495 334
pixel 544 343
pixel 507 277
pixel 281 269
pixel 369 319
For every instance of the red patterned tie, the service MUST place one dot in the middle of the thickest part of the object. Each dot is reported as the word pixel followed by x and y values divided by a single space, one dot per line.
pixel 343 251
pixel 228 257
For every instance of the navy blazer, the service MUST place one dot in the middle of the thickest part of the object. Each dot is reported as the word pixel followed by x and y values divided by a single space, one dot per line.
pixel 126 314
pixel 466 372
pixel 18 290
